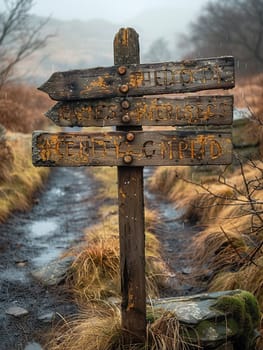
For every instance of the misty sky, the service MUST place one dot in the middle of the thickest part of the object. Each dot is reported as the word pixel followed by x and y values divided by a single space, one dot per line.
pixel 117 11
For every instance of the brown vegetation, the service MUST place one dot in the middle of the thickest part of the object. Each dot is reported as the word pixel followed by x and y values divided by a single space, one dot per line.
pixel 228 208
pixel 229 212
pixel 19 179
pixel 22 108
pixel 95 272
pixel 94 280
pixel 21 111
pixel 98 328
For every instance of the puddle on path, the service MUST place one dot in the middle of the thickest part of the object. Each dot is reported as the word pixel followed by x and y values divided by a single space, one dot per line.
pixel 48 254
pixel 39 237
pixel 42 228
pixel 64 210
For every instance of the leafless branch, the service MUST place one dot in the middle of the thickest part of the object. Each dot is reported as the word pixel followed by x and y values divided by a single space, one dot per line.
pixel 230 27
pixel 245 196
pixel 19 36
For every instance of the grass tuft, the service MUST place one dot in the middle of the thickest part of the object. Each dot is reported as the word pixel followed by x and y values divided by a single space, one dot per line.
pixel 95 272
pixel 99 328
pixel 21 179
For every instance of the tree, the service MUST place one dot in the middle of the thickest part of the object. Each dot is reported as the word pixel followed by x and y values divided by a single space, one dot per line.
pixel 19 36
pixel 232 27
pixel 158 51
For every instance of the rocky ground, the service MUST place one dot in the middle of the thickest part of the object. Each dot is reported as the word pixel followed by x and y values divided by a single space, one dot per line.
pixel 30 300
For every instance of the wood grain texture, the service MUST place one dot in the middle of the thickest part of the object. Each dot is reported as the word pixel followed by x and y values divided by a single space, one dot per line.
pixel 155 148
pixel 142 79
pixel 131 216
pixel 194 110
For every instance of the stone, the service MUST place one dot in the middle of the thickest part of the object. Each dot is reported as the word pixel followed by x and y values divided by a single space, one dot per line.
pixel 47 317
pixel 215 320
pixel 33 346
pixel 54 272
pixel 16 311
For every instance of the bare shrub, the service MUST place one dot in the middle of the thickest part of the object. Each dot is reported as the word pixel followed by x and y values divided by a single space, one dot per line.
pixel 22 108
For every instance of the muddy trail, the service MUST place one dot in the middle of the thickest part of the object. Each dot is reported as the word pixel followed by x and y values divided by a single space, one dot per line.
pixel 29 241
pixel 176 238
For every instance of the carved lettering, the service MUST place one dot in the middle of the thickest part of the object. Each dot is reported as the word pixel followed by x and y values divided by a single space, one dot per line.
pixel 216 110
pixel 147 149
pixel 69 146
pixel 183 146
pixel 186 76
pixel 215 149
pixel 166 147
pixel 168 77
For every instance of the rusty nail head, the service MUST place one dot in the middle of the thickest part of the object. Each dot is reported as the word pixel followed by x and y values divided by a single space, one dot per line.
pixel 125 104
pixel 122 70
pixel 130 136
pixel 124 88
pixel 125 118
pixel 128 159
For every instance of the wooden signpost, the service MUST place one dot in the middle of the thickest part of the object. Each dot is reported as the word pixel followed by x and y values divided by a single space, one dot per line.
pixel 117 96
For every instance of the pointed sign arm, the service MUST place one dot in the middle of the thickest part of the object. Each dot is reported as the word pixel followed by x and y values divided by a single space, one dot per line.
pixel 129 111
pixel 142 79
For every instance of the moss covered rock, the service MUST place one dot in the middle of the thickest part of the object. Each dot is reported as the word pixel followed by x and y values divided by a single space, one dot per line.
pixel 212 320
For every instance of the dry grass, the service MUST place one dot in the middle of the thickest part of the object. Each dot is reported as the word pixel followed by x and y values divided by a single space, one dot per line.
pixel 95 272
pixel 99 328
pixel 95 328
pixel 22 108
pixel 107 176
pixel 21 180
pixel 248 278
pixel 228 237
pixel 167 333
pixel 249 94
pixel 168 180
pixel 21 111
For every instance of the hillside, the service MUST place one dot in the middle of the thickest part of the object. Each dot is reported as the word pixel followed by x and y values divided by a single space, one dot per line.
pixel 72 45
pixel 84 44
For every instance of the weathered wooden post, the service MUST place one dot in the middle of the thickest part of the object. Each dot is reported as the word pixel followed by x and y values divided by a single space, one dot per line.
pixel 131 207
pixel 114 96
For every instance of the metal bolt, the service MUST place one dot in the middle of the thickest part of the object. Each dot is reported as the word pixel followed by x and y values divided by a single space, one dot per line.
pixel 124 88
pixel 125 104
pixel 122 70
pixel 130 136
pixel 125 118
pixel 128 159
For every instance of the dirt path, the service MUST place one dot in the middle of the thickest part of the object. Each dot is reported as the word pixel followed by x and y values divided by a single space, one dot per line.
pixel 176 239
pixel 63 211
pixel 65 208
